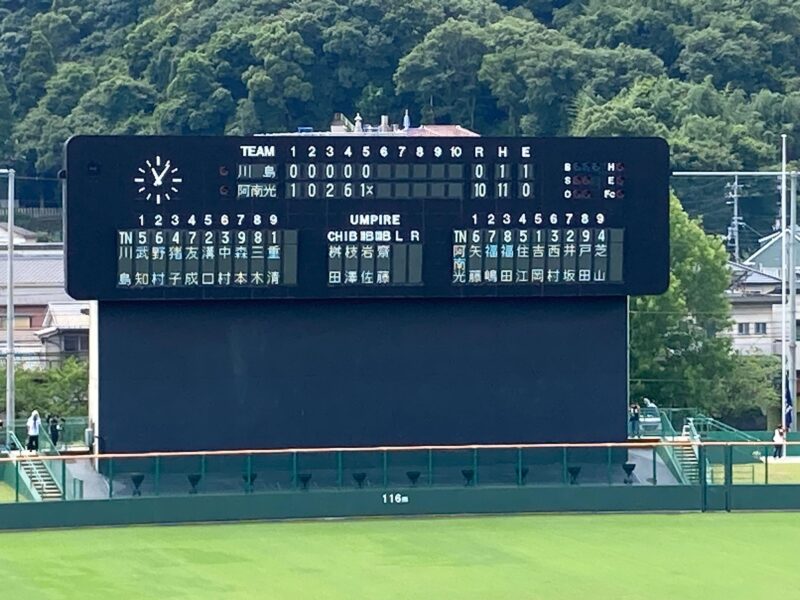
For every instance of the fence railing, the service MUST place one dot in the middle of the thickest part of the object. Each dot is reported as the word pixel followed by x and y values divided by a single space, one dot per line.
pixel 71 435
pixel 33 211
pixel 667 451
pixel 21 478
pixel 705 424
pixel 383 468
pixel 678 416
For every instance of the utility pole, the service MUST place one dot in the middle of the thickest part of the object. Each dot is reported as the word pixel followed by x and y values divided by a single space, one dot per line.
pixel 10 382
pixel 733 194
pixel 784 285
pixel 792 278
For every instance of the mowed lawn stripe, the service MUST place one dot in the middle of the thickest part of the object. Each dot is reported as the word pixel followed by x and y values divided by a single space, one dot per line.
pixel 548 557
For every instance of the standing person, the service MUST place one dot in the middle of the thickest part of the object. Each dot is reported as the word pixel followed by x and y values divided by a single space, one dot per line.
pixel 635 415
pixel 777 439
pixel 54 431
pixel 784 444
pixel 34 423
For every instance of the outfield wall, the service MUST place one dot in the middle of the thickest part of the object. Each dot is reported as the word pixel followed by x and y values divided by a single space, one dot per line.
pixel 347 503
pixel 377 503
pixel 454 480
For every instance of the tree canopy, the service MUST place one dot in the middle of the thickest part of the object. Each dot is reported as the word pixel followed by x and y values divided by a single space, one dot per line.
pixel 719 79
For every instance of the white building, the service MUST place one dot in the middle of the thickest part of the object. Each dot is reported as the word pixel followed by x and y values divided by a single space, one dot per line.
pixel 45 317
pixel 755 296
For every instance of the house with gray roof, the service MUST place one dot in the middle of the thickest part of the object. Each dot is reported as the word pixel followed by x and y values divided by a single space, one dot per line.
pixel 40 305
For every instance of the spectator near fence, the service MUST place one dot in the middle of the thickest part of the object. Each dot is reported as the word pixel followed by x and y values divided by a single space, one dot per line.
pixel 55 431
pixel 635 415
pixel 779 440
pixel 34 423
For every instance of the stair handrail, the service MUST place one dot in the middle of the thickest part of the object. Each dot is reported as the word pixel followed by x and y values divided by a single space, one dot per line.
pixel 694 436
pixel 667 453
pixel 667 429
pixel 46 446
pixel 28 479
pixel 706 423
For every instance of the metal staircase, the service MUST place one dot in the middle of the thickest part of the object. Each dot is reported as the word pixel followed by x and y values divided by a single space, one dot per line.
pixel 39 476
pixel 37 473
pixel 686 455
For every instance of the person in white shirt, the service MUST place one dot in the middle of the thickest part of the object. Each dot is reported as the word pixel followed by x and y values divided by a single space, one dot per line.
pixel 34 423
pixel 779 440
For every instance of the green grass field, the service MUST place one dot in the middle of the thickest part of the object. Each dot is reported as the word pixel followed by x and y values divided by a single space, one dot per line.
pixel 586 557
pixel 6 492
pixel 754 473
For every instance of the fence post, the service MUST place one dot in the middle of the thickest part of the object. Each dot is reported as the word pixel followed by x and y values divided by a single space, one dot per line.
pixel 655 465
pixel 519 466
pixel 63 479
pixel 701 454
pixel 110 477
pixel 16 482
pixel 766 465
pixel 249 481
pixel 728 476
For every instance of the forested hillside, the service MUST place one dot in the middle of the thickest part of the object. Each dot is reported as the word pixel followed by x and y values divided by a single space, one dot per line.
pixel 718 78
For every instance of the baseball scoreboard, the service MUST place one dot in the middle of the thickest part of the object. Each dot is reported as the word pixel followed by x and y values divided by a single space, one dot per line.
pixel 373 290
pixel 368 216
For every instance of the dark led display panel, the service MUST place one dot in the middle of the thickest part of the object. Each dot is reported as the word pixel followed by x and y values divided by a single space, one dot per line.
pixel 320 216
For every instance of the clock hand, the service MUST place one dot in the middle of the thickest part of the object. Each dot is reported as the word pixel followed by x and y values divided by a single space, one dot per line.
pixel 164 172
pixel 156 177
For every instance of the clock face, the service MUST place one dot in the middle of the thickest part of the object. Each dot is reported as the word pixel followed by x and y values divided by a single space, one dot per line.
pixel 158 180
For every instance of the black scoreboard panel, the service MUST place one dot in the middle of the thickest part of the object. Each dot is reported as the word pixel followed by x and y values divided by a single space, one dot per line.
pixel 364 217
pixel 240 374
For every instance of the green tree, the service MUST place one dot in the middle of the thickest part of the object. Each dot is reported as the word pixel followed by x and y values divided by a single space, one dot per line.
pixel 443 70
pixel 36 68
pixel 731 53
pixel 33 138
pixel 706 128
pixel 62 390
pixel 677 357
pixel 6 122
pixel 67 86
pixel 610 23
pixel 536 75
pixel 754 384
pixel 196 103
pixel 280 88
pixel 58 29
pixel 116 100
pixel 505 41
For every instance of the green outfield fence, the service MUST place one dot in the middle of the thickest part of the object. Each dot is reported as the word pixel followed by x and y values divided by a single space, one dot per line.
pixel 311 482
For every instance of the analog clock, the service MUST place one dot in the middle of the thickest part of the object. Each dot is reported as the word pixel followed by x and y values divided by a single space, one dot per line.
pixel 158 180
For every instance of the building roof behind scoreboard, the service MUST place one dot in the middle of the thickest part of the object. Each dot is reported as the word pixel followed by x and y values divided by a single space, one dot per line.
pixel 341 125
pixel 38 275
pixel 440 131
pixel 65 316
pixel 21 235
